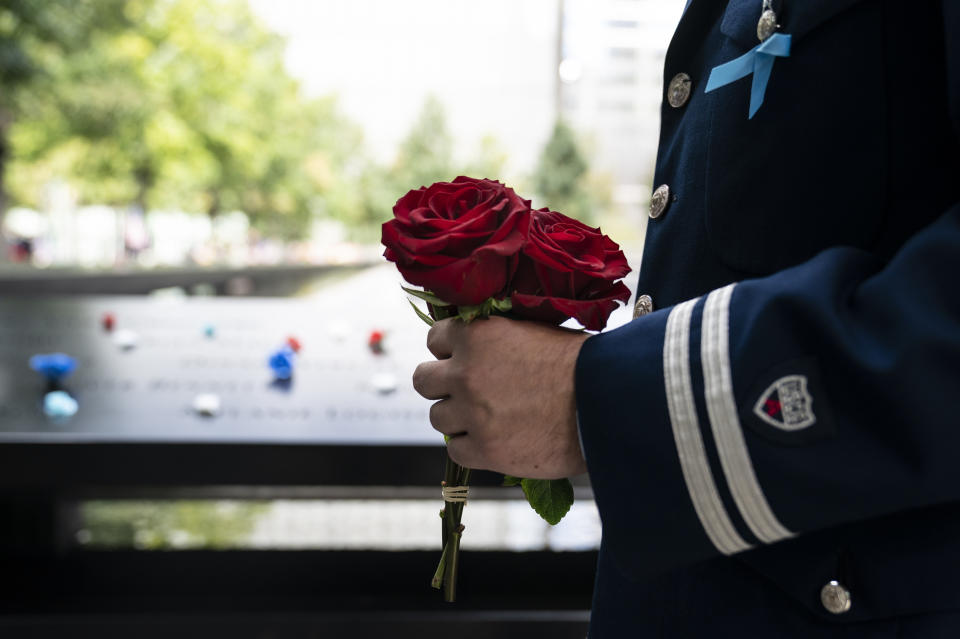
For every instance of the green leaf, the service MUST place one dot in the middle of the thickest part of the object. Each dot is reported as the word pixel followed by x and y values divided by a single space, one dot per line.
pixel 510 480
pixel 426 296
pixel 551 498
pixel 469 313
pixel 426 318
pixel 504 306
pixel 441 312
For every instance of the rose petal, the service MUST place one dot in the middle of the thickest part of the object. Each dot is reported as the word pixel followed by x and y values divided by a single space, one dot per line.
pixel 460 239
pixel 591 313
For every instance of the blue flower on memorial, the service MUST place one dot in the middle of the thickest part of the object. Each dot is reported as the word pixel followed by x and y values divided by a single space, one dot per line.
pixel 282 361
pixel 59 404
pixel 53 366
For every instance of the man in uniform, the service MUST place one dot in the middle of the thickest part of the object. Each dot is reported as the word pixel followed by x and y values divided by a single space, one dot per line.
pixel 774 441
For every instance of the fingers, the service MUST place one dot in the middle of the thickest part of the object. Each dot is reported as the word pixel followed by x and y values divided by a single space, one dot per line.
pixel 432 379
pixel 462 447
pixel 443 417
pixel 439 380
pixel 463 450
pixel 440 337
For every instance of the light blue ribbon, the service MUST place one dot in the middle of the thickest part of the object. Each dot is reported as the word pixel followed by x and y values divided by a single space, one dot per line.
pixel 758 61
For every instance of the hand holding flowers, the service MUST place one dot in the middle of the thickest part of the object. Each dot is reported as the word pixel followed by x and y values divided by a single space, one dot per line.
pixel 505 388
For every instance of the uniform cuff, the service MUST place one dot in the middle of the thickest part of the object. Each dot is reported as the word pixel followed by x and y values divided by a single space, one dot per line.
pixel 630 449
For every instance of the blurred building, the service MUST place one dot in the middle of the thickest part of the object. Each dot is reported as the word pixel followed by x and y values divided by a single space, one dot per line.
pixel 491 64
pixel 494 66
pixel 612 54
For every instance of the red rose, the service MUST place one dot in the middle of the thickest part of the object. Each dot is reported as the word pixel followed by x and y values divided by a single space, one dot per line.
pixel 460 240
pixel 568 269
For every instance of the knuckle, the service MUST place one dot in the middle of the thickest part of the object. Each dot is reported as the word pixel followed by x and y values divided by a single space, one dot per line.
pixel 435 411
pixel 438 338
pixel 419 378
pixel 455 450
pixel 432 338
pixel 463 451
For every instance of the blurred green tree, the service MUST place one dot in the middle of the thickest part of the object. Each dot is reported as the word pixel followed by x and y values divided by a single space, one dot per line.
pixel 34 35
pixel 560 179
pixel 186 104
pixel 254 136
pixel 424 156
pixel 488 161
pixel 190 108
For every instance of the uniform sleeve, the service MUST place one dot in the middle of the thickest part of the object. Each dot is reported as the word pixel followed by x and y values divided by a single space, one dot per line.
pixel 824 394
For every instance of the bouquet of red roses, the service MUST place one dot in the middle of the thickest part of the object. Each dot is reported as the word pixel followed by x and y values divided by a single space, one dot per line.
pixel 477 249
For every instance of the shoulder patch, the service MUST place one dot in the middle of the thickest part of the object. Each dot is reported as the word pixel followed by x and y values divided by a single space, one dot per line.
pixel 787 404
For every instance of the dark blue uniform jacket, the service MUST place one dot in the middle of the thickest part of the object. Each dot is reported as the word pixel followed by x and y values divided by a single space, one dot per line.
pixel 789 414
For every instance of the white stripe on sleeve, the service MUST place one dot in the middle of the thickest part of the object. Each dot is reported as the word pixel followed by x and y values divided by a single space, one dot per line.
pixel 686 432
pixel 727 432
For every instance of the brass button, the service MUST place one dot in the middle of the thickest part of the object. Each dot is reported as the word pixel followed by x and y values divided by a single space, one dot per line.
pixel 835 598
pixel 643 306
pixel 767 25
pixel 659 201
pixel 679 90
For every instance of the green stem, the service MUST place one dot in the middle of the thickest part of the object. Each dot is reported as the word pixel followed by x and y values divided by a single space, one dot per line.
pixel 437 581
pixel 462 479
pixel 451 530
pixel 450 579
pixel 454 475
pixel 450 475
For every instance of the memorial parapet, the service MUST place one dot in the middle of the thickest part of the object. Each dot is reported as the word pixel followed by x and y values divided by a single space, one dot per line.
pixel 342 395
pixel 348 419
